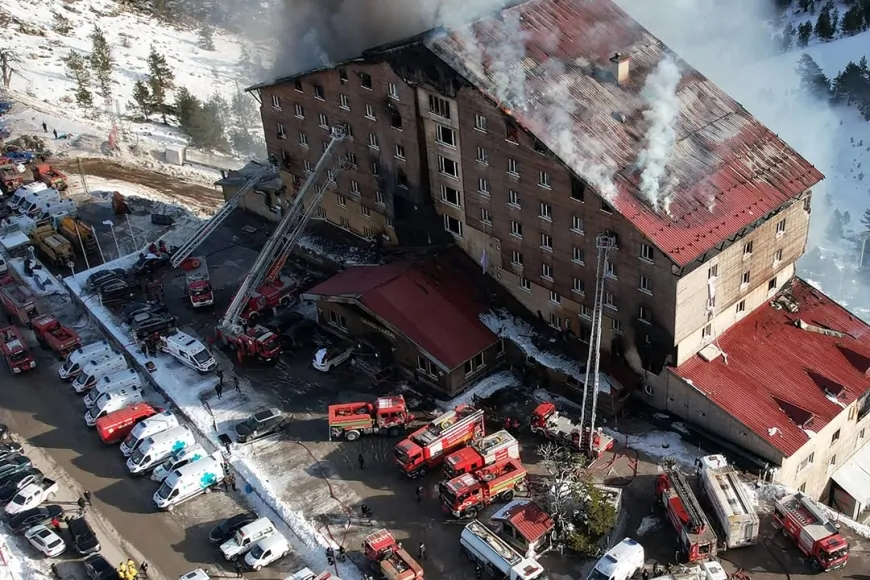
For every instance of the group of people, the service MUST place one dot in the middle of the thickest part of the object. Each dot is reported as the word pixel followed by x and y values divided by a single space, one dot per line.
pixel 129 571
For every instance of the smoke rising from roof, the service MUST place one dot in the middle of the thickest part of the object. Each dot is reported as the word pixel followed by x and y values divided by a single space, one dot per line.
pixel 660 95
pixel 314 33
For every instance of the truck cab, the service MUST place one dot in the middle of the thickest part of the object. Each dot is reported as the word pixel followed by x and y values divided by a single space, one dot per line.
pixel 387 415
pixel 389 558
pixel 15 350
pixel 198 282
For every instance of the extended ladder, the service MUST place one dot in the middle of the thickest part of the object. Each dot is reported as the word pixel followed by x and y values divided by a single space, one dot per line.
pixel 282 239
pixel 697 522
pixel 605 243
pixel 206 229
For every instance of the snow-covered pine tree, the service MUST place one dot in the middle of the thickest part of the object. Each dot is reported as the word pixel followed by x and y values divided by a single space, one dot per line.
pixel 102 64
pixel 161 80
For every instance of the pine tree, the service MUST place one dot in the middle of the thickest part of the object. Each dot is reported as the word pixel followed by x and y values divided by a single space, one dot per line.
pixel 787 37
pixel 77 69
pixel 865 219
pixel 865 9
pixel 142 99
pixel 206 39
pixel 853 21
pixel 813 79
pixel 834 13
pixel 243 110
pixel 186 106
pixel 805 31
pixel 824 29
pixel 850 84
pixel 61 24
pixel 161 79
pixel 102 64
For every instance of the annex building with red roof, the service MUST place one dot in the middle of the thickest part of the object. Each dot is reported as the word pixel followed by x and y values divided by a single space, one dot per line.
pixel 427 311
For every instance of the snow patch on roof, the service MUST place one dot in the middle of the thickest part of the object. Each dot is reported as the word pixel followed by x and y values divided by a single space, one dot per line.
pixel 660 445
pixel 484 388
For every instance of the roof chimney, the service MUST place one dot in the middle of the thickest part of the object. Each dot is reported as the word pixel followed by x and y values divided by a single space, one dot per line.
pixel 619 66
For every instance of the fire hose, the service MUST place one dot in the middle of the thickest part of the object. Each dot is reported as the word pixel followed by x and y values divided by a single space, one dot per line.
pixel 627 453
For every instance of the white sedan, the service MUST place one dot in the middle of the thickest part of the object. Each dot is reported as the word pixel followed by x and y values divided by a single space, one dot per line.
pixel 46 541
pixel 326 359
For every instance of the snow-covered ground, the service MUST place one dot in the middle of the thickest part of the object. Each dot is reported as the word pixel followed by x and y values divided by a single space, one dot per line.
pixel 484 388
pixel 270 473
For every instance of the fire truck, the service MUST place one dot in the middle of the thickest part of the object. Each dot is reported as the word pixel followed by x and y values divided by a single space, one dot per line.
pixel 389 557
pixel 276 291
pixel 427 447
pixel 466 495
pixel 15 350
pixel 732 511
pixel 59 338
pixel 813 533
pixel 198 281
pixel 698 540
pixel 548 422
pixel 256 342
pixel 499 446
pixel 386 416
pixel 19 303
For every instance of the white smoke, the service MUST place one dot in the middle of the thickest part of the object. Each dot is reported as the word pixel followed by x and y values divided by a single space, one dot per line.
pixel 659 93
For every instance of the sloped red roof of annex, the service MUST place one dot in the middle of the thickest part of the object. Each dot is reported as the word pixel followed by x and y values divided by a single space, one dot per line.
pixel 729 169
pixel 430 304
pixel 530 520
pixel 782 381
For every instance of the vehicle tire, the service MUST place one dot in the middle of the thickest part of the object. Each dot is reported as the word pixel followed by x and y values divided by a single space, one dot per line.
pixel 393 431
pixel 508 495
pixel 470 513
pixel 170 509
pixel 208 490
pixel 257 568
pixel 285 301
pixel 351 435
pixel 49 497
pixel 252 317
pixel 422 472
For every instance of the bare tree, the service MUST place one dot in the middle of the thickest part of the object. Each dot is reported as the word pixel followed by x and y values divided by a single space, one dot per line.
pixel 10 64
pixel 563 477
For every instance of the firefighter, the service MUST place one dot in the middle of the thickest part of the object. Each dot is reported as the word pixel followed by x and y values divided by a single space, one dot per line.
pixel 330 556
pixel 478 571
pixel 515 424
pixel 507 423
pixel 342 554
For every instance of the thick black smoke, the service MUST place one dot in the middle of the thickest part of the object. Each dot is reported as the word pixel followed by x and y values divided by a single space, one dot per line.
pixel 313 33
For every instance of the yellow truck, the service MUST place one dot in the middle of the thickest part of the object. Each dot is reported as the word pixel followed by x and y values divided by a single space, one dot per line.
pixel 54 247
pixel 78 233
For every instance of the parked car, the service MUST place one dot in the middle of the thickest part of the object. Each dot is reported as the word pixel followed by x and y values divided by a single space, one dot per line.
pixel 95 280
pixel 31 496
pixel 148 323
pixel 17 481
pixel 259 425
pixel 135 308
pixel 46 541
pixel 98 568
pixel 148 264
pixel 9 449
pixel 225 530
pixel 14 464
pixel 266 551
pixel 326 359
pixel 84 539
pixel 117 289
pixel 41 515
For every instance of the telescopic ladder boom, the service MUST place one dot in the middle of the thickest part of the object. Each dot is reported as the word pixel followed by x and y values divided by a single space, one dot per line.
pixel 282 239
pixel 605 243
pixel 206 229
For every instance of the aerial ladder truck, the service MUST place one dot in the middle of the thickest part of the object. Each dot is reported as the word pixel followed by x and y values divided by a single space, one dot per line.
pixel 593 442
pixel 258 289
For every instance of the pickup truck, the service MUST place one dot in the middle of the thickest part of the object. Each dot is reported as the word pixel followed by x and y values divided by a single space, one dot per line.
pixel 32 496
pixel 59 338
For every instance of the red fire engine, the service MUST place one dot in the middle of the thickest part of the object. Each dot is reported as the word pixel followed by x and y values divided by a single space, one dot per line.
pixel 49 331
pixel 499 446
pixel 427 447
pixel 276 291
pixel 198 282
pixel 813 533
pixel 386 416
pixel 466 495
pixel 547 421
pixel 254 342
pixel 18 302
pixel 15 350
pixel 698 540
pixel 390 558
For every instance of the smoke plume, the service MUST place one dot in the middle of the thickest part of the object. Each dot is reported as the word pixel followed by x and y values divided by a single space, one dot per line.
pixel 659 94
pixel 314 33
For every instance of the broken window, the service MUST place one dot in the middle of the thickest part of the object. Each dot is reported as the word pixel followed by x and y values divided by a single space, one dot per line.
pixel 605 207
pixel 395 117
pixel 539 147
pixel 511 131
pixel 453 225
pixel 402 179
pixel 448 167
pixel 450 195
pixel 297 84
pixel 439 106
pixel 712 271
pixel 285 159
pixel 771 285
pixel 365 80
pixel 578 189
pixel 445 135
pixel 319 93
pixel 342 75
pixel 644 314
pixel 707 331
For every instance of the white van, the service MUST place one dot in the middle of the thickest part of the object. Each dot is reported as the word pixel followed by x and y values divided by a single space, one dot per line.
pixel 189 481
pixel 54 210
pixel 113 383
pixel 198 574
pixel 155 449
pixel 111 402
pixel 245 538
pixel 22 192
pixel 97 368
pixel 178 460
pixel 151 426
pixel 189 351
pixel 72 366
pixel 621 562
pixel 266 551
pixel 30 205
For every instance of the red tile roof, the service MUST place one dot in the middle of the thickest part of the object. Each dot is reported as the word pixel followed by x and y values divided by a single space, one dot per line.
pixel 730 170
pixel 431 303
pixel 783 377
pixel 530 520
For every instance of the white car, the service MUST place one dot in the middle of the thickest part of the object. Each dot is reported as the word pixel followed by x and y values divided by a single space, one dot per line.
pixel 266 551
pixel 46 541
pixel 198 574
pixel 326 359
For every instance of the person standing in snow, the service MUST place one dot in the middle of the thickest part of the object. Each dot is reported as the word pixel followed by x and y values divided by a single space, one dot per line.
pixel 236 381
pixel 143 569
pixel 55 133
pixel 44 127
pixel 219 389
pixel 82 505
pixel 87 496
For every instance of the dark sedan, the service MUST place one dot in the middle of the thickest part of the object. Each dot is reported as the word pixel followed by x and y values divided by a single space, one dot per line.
pixel 22 522
pixel 225 530
pixel 14 464
pixel 97 279
pixel 9 449
pixel 10 485
pixel 98 568
pixel 84 538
